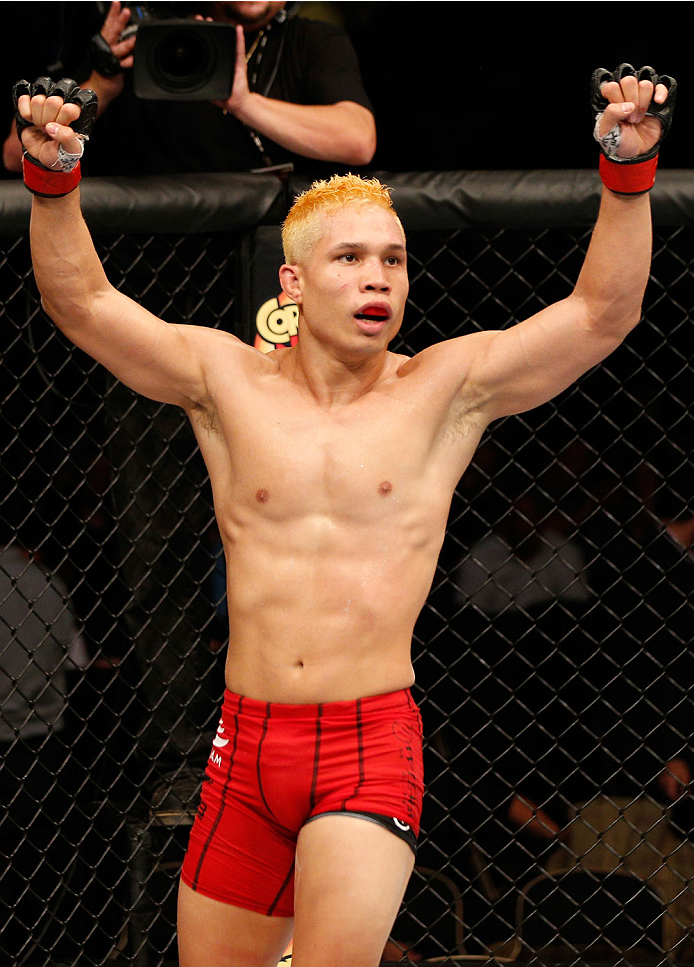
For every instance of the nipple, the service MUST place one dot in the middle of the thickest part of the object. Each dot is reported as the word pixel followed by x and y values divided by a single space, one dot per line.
pixel 262 496
pixel 385 488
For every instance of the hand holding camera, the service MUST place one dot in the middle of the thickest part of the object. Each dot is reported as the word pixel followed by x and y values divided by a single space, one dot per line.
pixel 173 59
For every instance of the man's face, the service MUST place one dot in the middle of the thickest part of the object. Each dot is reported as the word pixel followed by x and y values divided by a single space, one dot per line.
pixel 251 15
pixel 353 285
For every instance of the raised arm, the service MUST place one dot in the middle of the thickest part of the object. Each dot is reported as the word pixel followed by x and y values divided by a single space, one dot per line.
pixel 157 359
pixel 524 366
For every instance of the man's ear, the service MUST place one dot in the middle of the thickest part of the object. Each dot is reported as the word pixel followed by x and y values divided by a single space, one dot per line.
pixel 290 280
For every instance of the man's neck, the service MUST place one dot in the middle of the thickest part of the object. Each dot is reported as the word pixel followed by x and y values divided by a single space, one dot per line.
pixel 334 381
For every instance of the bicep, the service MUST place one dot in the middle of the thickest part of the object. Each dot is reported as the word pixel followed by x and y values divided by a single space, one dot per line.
pixel 143 351
pixel 525 366
pixel 155 358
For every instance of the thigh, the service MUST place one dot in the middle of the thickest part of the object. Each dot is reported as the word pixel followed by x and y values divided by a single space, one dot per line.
pixel 212 932
pixel 351 876
pixel 238 852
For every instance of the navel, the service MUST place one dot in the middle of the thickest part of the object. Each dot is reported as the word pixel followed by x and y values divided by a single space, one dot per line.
pixel 385 488
pixel 262 496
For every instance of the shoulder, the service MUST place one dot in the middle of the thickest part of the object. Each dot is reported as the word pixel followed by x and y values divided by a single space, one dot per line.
pixel 23 572
pixel 318 65
pixel 314 30
pixel 213 344
pixel 452 358
pixel 224 362
pixel 12 561
pixel 318 46
pixel 221 350
pixel 443 377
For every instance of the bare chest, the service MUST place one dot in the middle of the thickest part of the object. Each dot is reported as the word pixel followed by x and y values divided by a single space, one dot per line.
pixel 361 462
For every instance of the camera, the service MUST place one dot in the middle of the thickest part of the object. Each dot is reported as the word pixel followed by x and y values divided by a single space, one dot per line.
pixel 184 60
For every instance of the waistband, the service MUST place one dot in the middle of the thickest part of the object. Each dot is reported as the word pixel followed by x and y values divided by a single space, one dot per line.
pixel 252 707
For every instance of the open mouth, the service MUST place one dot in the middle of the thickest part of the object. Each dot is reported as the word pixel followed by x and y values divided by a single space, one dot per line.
pixel 373 314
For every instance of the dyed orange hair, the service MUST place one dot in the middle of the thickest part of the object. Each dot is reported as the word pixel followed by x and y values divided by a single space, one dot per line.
pixel 301 227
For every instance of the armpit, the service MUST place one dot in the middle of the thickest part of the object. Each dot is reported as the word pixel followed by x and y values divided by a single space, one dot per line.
pixel 204 416
pixel 463 420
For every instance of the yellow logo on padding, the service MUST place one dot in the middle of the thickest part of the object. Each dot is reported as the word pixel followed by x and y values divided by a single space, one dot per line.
pixel 277 324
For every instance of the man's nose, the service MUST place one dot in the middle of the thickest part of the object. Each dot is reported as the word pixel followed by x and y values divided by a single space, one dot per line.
pixel 375 278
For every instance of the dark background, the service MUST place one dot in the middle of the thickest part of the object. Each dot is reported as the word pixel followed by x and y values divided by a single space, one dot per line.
pixel 454 85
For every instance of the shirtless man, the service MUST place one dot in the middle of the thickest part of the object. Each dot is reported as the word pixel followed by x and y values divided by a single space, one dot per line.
pixel 333 464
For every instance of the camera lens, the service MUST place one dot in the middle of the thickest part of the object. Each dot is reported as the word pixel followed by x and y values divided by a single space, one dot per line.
pixel 183 60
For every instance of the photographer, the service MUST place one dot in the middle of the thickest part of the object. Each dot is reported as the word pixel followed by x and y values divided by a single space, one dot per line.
pixel 297 96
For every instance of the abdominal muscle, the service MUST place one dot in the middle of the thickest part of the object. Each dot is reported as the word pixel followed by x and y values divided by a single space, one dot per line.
pixel 323 620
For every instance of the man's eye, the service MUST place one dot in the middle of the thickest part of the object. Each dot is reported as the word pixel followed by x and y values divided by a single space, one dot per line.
pixel 393 260
pixel 348 257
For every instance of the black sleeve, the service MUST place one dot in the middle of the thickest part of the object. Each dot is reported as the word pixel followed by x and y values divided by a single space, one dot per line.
pixel 318 66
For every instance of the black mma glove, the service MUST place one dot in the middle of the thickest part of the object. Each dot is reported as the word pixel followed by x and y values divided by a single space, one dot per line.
pixel 65 175
pixel 630 176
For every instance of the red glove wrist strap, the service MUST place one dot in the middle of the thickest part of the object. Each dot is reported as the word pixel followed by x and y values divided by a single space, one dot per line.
pixel 628 179
pixel 49 184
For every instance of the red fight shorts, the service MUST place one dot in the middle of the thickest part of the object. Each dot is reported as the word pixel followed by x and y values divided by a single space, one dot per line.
pixel 273 768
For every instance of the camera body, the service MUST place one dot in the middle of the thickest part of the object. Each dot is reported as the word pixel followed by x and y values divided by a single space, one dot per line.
pixel 184 60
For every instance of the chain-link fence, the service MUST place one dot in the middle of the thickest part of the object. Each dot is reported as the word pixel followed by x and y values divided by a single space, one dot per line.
pixel 552 657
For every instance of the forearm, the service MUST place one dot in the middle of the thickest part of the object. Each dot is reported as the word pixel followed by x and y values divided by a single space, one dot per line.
pixel 67 269
pixel 615 272
pixel 343 132
pixel 107 89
